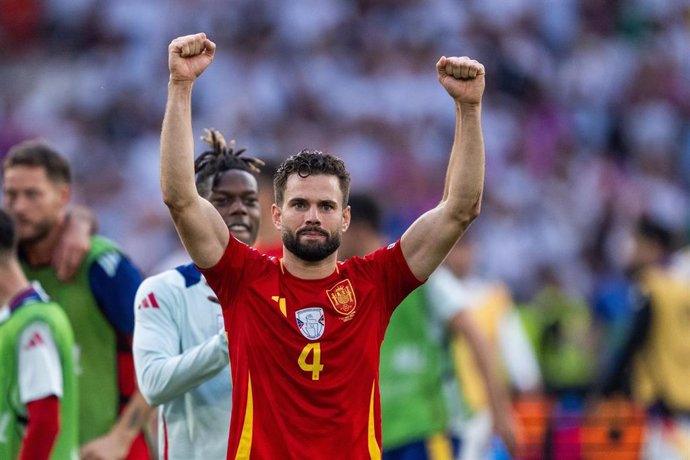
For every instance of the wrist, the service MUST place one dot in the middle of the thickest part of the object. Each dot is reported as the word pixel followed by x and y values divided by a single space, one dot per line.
pixel 123 436
pixel 468 107
pixel 180 84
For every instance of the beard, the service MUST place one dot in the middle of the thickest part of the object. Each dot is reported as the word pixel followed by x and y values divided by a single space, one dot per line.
pixel 311 251
pixel 37 231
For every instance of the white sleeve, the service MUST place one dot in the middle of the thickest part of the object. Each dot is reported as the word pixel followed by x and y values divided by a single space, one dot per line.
pixel 446 295
pixel 165 372
pixel 518 356
pixel 40 372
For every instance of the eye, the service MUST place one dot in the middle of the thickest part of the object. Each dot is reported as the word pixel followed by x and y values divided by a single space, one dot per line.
pixel 251 202
pixel 219 202
pixel 327 206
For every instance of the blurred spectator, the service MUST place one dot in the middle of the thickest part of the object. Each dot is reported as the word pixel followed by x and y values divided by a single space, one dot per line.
pixel 98 301
pixel 589 106
pixel 653 365
pixel 566 344
pixel 491 354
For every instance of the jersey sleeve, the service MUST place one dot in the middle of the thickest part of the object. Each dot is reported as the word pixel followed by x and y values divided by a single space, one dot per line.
pixel 114 280
pixel 227 274
pixel 40 371
pixel 42 429
pixel 163 370
pixel 394 273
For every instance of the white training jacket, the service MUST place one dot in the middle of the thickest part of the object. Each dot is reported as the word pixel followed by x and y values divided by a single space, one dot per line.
pixel 181 360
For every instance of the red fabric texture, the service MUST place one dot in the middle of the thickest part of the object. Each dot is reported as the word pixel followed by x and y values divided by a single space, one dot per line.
pixel 42 430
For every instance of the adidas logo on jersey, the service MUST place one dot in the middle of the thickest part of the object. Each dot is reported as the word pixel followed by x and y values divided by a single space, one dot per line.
pixel 148 302
pixel 35 341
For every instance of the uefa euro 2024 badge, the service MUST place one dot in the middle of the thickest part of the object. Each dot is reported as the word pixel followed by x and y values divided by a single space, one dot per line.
pixel 311 322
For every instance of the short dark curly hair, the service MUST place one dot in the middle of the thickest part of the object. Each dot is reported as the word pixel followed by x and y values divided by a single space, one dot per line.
pixel 307 163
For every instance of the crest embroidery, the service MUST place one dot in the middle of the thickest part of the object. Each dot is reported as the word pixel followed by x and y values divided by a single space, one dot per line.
pixel 311 322
pixel 342 297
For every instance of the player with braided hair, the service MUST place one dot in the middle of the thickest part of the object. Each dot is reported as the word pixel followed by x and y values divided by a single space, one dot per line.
pixel 180 346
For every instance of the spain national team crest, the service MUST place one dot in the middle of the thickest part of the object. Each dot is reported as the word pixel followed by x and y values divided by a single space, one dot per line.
pixel 311 322
pixel 342 297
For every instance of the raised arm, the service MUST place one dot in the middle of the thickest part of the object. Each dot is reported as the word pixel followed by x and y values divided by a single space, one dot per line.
pixel 201 228
pixel 463 79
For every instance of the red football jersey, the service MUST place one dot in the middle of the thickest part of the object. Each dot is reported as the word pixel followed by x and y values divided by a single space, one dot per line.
pixel 305 353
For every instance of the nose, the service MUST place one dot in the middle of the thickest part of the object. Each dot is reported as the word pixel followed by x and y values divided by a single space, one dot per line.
pixel 238 207
pixel 313 216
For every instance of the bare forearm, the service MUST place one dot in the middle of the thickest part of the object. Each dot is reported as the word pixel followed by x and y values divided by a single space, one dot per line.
pixel 177 147
pixel 456 143
pixel 486 359
pixel 133 418
pixel 202 231
pixel 465 176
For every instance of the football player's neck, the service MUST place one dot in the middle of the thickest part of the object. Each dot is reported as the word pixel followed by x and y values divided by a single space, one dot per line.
pixel 309 270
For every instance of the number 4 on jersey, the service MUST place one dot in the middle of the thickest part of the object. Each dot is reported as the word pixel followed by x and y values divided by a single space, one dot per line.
pixel 315 367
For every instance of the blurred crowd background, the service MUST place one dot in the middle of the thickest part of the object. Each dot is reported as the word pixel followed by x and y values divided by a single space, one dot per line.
pixel 586 114
pixel 586 121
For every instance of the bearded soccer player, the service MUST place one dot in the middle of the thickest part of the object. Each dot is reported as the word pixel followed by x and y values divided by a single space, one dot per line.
pixel 38 410
pixel 180 346
pixel 304 330
pixel 97 300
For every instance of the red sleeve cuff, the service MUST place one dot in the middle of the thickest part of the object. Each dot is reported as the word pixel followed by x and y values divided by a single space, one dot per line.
pixel 42 430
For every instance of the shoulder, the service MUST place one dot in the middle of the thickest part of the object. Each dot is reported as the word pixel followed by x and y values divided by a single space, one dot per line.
pixel 371 259
pixel 188 274
pixel 178 278
pixel 104 253
pixel 45 312
pixel 38 333
pixel 101 244
pixel 169 281
pixel 170 286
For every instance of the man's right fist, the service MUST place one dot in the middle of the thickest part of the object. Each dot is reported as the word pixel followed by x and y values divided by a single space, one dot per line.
pixel 188 57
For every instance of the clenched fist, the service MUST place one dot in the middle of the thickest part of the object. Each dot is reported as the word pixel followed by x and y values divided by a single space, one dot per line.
pixel 188 57
pixel 462 77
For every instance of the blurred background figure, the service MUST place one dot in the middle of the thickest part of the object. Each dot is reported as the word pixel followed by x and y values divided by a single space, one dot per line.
pixel 652 366
pixel 575 150
pixel 39 407
pixel 492 357
pixel 98 301
pixel 566 344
